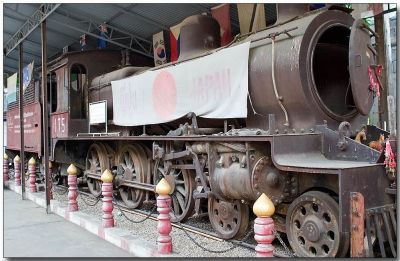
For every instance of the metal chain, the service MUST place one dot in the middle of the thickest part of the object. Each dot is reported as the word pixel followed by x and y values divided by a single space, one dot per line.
pixel 11 173
pixel 84 201
pixel 287 250
pixel 205 249
pixel 133 221
pixel 60 193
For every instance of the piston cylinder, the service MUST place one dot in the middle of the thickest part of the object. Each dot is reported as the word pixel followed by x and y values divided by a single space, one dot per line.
pixel 233 182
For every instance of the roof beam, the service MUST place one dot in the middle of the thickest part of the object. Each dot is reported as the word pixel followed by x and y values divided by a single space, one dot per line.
pixel 68 22
pixel 141 17
pixel 10 68
pixel 95 21
pixel 11 16
pixel 27 28
pixel 35 43
pixel 26 59
pixel 121 12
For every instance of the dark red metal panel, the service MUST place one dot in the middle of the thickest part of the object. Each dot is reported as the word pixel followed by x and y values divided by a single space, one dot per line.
pixel 59 125
pixel 32 128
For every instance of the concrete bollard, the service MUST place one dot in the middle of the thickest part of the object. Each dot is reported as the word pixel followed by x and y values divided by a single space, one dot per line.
pixel 5 167
pixel 107 191
pixel 50 180
pixel 32 175
pixel 164 227
pixel 17 170
pixel 263 208
pixel 72 194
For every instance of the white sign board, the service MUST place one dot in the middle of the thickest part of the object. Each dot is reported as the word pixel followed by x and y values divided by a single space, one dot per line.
pixel 98 112
pixel 214 86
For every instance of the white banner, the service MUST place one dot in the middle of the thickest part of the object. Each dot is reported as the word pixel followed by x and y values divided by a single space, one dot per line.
pixel 214 86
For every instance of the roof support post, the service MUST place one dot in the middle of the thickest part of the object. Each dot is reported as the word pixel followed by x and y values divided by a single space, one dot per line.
pixel 45 114
pixel 21 119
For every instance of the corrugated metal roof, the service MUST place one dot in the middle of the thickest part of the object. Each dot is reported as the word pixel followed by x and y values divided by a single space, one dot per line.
pixel 139 19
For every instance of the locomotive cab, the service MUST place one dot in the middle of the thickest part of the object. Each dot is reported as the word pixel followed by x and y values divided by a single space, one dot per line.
pixel 73 71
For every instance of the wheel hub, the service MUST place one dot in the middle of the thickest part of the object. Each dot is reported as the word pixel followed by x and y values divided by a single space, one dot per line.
pixel 230 220
pixel 128 174
pixel 312 229
pixel 225 210
pixel 171 181
pixel 312 226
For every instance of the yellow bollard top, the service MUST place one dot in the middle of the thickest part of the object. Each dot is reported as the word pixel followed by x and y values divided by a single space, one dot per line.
pixel 72 170
pixel 263 207
pixel 107 177
pixel 50 165
pixel 5 156
pixel 32 161
pixel 17 159
pixel 163 188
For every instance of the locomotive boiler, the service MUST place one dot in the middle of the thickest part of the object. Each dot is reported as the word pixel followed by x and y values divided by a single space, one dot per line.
pixel 307 93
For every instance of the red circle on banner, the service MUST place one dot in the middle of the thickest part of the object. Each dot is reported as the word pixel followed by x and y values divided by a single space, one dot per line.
pixel 164 95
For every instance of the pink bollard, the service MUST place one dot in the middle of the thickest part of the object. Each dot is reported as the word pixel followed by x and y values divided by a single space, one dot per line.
pixel 50 181
pixel 164 227
pixel 17 170
pixel 32 175
pixel 72 193
pixel 107 191
pixel 5 167
pixel 264 226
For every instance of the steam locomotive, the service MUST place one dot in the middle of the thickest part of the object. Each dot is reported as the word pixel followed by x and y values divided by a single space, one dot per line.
pixel 308 94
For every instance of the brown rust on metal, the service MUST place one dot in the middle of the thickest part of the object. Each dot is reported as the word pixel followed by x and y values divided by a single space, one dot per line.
pixel 357 224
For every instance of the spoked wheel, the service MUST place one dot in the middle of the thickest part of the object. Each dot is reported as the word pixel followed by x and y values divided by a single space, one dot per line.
pixel 96 163
pixel 182 185
pixel 132 169
pixel 312 226
pixel 230 220
pixel 56 177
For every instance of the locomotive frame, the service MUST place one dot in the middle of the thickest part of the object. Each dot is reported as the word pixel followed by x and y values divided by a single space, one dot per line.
pixel 308 172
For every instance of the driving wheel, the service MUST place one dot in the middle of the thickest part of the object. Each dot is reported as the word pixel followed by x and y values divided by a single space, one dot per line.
pixel 312 226
pixel 132 166
pixel 96 163
pixel 182 186
pixel 230 220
